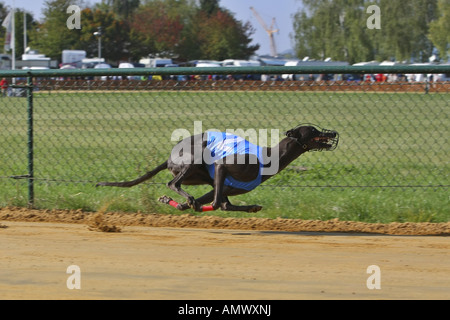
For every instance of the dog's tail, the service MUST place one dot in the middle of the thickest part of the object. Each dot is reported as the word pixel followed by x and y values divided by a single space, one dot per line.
pixel 128 184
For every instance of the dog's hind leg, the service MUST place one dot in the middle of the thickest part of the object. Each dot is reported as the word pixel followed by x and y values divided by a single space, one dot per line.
pixel 175 185
pixel 205 199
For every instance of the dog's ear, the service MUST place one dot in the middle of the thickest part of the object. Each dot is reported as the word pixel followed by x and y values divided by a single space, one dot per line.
pixel 289 133
pixel 293 134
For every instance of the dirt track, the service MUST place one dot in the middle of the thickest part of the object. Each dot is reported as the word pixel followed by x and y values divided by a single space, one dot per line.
pixel 187 257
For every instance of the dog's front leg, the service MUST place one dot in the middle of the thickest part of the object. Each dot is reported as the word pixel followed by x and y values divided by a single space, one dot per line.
pixel 220 174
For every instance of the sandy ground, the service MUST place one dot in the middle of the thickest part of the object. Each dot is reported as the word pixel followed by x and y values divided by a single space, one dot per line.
pixel 187 257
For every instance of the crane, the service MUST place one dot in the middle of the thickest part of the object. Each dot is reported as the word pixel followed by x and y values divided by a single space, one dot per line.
pixel 270 31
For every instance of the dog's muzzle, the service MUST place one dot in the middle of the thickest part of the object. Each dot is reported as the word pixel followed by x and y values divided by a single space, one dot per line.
pixel 329 139
pixel 323 140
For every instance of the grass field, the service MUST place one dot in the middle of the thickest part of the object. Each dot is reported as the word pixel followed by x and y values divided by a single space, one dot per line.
pixel 393 152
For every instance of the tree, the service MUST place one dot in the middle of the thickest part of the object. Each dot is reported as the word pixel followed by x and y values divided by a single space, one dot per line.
pixel 210 7
pixel 53 35
pixel 3 13
pixel 156 28
pixel 19 16
pixel 337 29
pixel 405 28
pixel 114 38
pixel 182 29
pixel 220 36
pixel 439 29
pixel 132 29
pixel 31 26
pixel 332 29
pixel 123 8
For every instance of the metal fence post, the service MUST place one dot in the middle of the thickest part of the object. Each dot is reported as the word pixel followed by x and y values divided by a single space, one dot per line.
pixel 29 88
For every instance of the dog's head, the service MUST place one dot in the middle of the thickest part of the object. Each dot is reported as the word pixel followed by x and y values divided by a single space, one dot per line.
pixel 312 138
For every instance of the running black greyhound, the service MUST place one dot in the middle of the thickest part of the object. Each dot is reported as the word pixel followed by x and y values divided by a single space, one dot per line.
pixel 201 159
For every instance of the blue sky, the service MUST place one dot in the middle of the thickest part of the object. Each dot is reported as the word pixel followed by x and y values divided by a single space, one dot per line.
pixel 281 10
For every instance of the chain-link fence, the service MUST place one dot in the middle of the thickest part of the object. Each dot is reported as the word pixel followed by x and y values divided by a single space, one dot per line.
pixel 76 129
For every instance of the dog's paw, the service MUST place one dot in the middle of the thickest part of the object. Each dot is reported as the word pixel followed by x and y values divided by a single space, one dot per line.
pixel 255 209
pixel 193 204
pixel 196 206
pixel 165 199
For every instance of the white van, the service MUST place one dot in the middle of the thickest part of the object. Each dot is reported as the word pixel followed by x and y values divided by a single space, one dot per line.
pixel 73 57
pixel 240 63
pixel 155 63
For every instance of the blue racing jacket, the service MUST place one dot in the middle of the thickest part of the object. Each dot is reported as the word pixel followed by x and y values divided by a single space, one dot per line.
pixel 220 145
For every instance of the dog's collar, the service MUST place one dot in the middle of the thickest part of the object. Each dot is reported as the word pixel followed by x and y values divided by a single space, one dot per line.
pixel 303 145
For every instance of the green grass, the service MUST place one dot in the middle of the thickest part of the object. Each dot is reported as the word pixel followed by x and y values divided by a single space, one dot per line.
pixel 392 154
